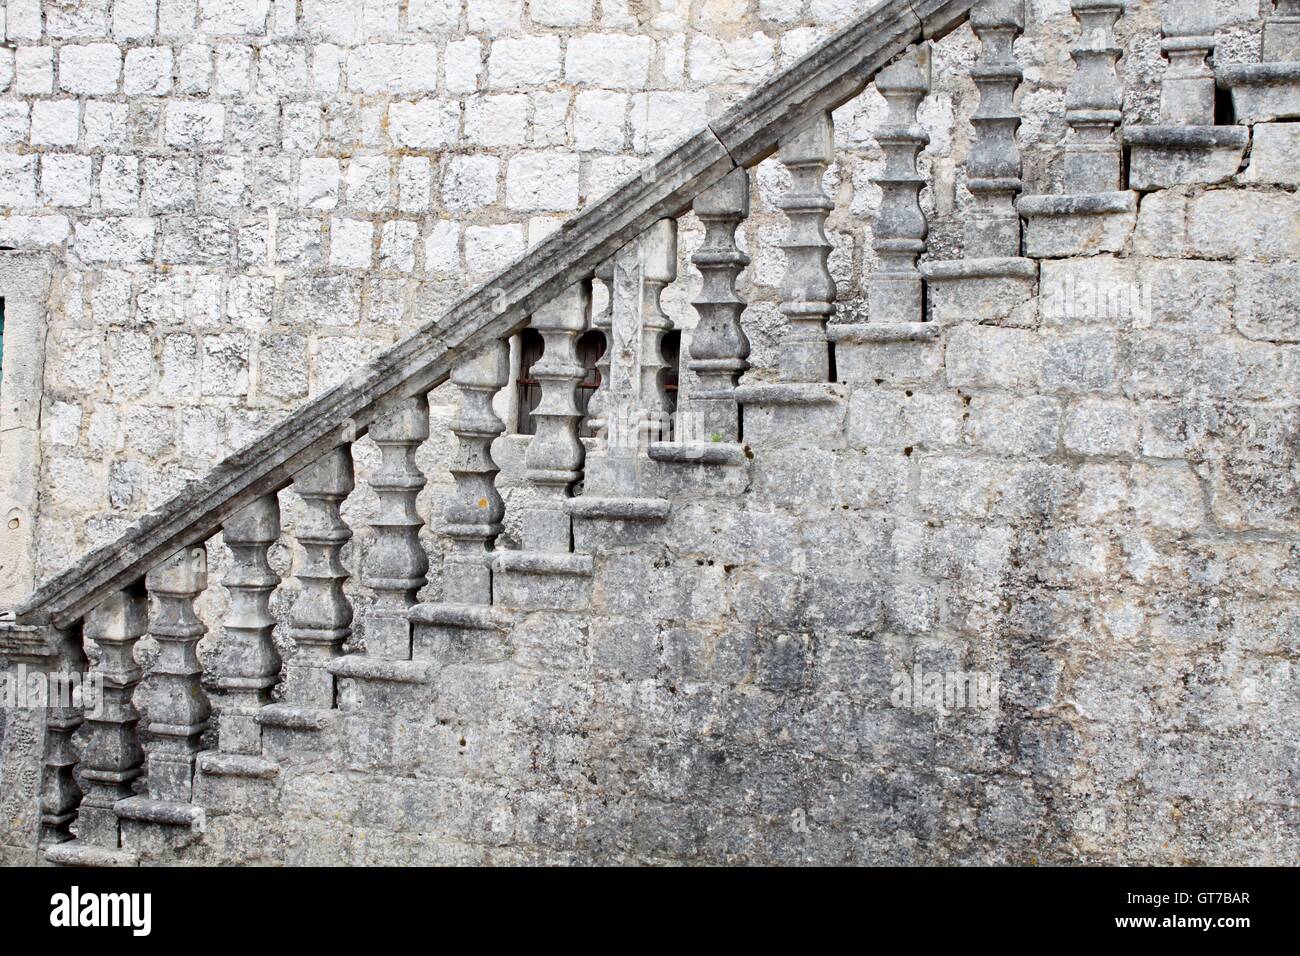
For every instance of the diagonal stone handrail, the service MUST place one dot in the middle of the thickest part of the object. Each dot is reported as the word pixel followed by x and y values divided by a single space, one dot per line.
pixel 828 76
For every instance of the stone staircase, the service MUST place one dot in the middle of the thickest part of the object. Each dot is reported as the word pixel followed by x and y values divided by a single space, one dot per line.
pixel 642 524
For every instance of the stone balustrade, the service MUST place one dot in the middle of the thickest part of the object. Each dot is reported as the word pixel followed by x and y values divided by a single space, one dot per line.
pixel 639 465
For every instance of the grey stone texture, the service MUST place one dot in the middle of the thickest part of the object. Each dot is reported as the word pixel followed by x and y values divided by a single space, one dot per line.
pixel 1078 477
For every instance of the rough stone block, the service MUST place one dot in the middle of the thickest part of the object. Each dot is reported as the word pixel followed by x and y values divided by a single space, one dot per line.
pixel 609 60
pixel 1235 224
pixel 1063 226
pixel 861 361
pixel 1275 155
pixel 980 290
pixel 1267 303
pixel 1165 156
pixel 790 415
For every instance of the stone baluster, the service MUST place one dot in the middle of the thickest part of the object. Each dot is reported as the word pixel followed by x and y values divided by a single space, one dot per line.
pixel 993 169
pixel 598 406
pixel 112 758
pixel 807 289
pixel 1282 33
pixel 658 269
pixel 320 620
pixel 251 664
pixel 719 346
pixel 1187 89
pixel 554 460
pixel 1185 146
pixel 178 706
pixel 60 793
pixel 396 566
pixel 41 761
pixel 1268 91
pixel 992 281
pixel 634 403
pixel 1095 213
pixel 1094 101
pixel 896 292
pixel 475 510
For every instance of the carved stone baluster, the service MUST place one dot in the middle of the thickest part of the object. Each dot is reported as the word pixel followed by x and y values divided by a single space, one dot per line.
pixel 993 170
pixel 555 455
pixel 1282 33
pixel 39 774
pixel 251 664
pixel 598 406
pixel 658 268
pixel 60 793
pixel 396 566
pixel 807 290
pixel 634 401
pixel 1187 88
pixel 113 759
pixel 475 510
pixel 178 707
pixel 719 346
pixel 1095 213
pixel 1094 101
pixel 991 282
pixel 466 617
pixel 896 292
pixel 320 620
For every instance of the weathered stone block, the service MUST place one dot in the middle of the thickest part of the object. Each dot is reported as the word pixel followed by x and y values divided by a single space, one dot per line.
pixel 1238 224
pixel 1274 155
pixel 1267 303
pixel 1262 92
pixel 980 290
pixel 1062 226
pixel 987 356
pixel 809 415
pixel 1165 156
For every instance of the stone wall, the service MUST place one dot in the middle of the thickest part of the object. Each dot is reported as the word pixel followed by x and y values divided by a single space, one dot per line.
pixel 245 198
pixel 1095 505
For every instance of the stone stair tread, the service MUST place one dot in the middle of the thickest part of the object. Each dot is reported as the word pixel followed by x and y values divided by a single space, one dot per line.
pixel 217 764
pixel 789 393
pixel 698 452
pixel 382 669
pixel 543 562
pixel 169 812
pixel 619 508
pixel 1078 204
pixel 473 616
pixel 984 268
pixel 1185 137
pixel 294 718
pixel 867 332
pixel 77 853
